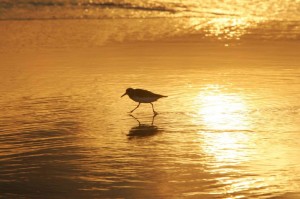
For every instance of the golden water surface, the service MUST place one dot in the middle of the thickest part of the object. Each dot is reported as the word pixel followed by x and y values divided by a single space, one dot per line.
pixel 229 127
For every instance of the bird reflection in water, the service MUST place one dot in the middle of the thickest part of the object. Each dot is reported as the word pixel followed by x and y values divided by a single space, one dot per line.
pixel 143 130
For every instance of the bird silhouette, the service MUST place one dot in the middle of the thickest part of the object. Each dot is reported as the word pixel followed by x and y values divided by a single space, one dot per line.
pixel 142 96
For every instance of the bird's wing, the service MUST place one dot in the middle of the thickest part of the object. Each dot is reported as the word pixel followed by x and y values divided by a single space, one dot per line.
pixel 145 93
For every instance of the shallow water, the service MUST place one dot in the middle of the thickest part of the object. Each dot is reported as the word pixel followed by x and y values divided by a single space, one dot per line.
pixel 229 128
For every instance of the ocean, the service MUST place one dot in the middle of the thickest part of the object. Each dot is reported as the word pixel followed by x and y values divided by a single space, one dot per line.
pixel 229 127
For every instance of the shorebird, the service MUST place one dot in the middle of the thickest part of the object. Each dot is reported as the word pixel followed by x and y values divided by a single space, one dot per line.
pixel 142 96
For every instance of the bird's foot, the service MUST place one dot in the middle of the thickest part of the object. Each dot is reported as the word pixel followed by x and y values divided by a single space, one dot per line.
pixel 155 113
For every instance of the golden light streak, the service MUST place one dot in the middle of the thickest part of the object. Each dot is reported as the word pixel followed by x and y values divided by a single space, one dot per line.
pixel 222 111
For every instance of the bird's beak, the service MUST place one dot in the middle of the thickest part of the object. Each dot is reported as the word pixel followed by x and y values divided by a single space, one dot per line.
pixel 124 94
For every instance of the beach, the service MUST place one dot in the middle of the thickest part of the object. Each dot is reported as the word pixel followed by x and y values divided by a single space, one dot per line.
pixel 229 127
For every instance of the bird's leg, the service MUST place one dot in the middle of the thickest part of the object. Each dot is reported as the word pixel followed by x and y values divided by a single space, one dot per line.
pixel 135 108
pixel 155 113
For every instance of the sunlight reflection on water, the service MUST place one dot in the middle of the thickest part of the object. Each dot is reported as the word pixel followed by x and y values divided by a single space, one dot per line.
pixel 220 110
pixel 224 28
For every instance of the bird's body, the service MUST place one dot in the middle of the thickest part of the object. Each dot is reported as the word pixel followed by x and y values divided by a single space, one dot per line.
pixel 142 96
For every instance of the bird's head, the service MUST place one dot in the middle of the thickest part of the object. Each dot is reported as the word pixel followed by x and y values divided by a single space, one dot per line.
pixel 128 90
